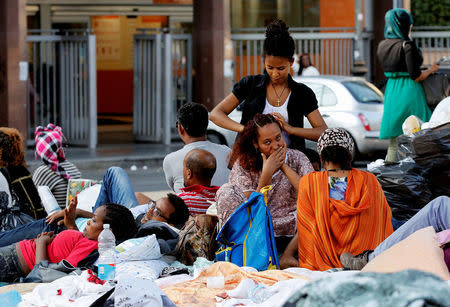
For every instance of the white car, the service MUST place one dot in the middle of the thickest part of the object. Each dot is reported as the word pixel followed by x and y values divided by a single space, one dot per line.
pixel 346 102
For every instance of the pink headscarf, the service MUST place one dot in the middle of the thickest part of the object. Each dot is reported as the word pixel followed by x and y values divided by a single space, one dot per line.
pixel 49 147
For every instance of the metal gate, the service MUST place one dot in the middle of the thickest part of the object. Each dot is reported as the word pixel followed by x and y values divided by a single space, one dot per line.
pixel 162 83
pixel 434 43
pixel 330 52
pixel 62 86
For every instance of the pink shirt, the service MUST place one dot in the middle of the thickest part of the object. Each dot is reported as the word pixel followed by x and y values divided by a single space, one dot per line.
pixel 196 198
pixel 69 244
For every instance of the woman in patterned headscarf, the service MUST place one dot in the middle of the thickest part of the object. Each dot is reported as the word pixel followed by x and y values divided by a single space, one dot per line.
pixel 404 95
pixel 339 209
pixel 56 170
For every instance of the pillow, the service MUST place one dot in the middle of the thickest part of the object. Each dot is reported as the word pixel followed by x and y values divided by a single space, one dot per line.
pixel 144 248
pixel 419 251
pixel 75 186
pixel 88 197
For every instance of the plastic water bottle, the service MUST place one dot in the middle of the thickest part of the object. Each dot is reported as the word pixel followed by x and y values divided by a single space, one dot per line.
pixel 107 254
pixel 260 293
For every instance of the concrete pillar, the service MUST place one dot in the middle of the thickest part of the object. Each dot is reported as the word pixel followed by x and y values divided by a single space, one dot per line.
pixel 228 49
pixel 359 65
pixel 12 51
pixel 208 38
pixel 45 16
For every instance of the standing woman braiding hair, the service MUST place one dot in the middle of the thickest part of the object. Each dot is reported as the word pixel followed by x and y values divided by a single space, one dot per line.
pixel 274 92
pixel 401 61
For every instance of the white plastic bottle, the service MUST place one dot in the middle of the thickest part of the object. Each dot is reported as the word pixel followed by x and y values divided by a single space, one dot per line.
pixel 107 254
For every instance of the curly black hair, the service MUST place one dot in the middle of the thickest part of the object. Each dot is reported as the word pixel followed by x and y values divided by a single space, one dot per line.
pixel 181 214
pixel 120 220
pixel 278 41
pixel 193 117
pixel 338 155
pixel 11 148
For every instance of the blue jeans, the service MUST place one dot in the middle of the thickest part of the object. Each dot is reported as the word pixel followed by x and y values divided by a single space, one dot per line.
pixel 116 188
pixel 436 214
pixel 28 231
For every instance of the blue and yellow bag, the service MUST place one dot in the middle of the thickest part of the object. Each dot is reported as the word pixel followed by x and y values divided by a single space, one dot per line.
pixel 247 237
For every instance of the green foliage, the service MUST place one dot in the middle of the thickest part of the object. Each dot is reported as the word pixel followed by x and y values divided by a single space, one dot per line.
pixel 431 12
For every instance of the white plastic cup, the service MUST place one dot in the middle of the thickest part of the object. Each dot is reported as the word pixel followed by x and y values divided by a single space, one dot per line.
pixel 48 200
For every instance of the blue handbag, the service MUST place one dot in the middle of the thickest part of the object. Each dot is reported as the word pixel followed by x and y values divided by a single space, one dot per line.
pixel 247 237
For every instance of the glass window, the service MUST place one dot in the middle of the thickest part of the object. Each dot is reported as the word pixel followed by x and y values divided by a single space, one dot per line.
pixel 317 89
pixel 362 92
pixel 328 97
pixel 258 13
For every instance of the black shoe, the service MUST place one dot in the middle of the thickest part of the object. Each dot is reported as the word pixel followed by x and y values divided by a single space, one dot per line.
pixel 351 262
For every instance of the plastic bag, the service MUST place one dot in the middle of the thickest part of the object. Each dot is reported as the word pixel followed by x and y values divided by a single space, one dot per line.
pixel 406 190
pixel 435 87
pixel 422 174
pixel 10 218
pixel 425 143
pixel 411 125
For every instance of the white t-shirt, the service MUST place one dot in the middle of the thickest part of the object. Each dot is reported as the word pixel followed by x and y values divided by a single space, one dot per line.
pixel 310 71
pixel 268 108
pixel 173 164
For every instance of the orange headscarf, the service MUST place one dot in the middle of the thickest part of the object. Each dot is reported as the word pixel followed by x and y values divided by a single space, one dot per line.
pixel 328 227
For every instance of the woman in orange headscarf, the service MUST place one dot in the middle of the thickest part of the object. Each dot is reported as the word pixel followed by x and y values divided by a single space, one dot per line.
pixel 340 209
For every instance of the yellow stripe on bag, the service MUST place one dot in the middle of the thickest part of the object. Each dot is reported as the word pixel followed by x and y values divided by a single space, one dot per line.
pixel 244 258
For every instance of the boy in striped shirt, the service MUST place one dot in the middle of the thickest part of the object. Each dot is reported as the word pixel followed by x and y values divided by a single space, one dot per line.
pixel 199 167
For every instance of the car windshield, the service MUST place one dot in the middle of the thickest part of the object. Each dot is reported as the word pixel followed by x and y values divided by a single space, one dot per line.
pixel 362 92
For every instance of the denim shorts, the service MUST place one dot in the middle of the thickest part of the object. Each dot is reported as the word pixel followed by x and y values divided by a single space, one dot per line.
pixel 10 269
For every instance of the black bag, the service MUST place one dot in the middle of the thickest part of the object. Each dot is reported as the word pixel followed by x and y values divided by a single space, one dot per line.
pixel 27 195
pixel 10 218
pixel 422 174
pixel 11 215
pixel 435 87
pixel 406 190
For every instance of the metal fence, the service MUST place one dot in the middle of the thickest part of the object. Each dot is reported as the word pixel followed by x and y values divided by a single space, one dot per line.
pixel 330 52
pixel 434 44
pixel 162 83
pixel 62 86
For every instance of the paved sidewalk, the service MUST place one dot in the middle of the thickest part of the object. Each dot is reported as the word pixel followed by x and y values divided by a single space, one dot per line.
pixel 123 155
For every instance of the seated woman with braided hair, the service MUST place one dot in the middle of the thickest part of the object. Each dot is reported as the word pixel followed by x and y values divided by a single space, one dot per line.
pixel 261 158
pixel 17 260
pixel 339 209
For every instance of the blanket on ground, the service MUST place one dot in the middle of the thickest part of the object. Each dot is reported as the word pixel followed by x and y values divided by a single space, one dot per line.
pixel 406 288
pixel 195 292
pixel 328 227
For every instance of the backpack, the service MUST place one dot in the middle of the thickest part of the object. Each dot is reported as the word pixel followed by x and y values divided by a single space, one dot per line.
pixel 247 237
pixel 197 239
pixel 25 192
